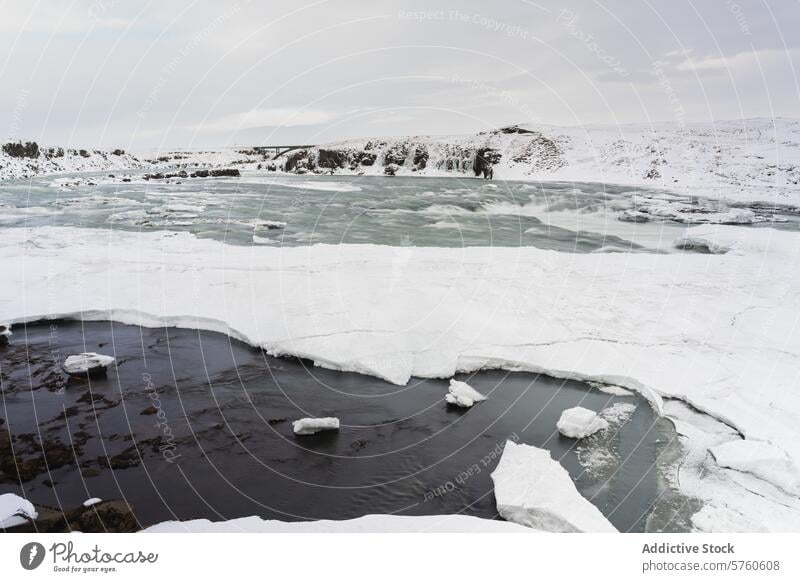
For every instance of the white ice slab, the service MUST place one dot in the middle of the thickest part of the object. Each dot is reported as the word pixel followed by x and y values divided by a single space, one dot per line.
pixel 306 426
pixel 87 363
pixel 580 422
pixel 462 394
pixel 535 491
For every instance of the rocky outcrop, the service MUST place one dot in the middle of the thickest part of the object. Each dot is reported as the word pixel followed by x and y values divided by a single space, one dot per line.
pixel 28 149
pixel 485 159
pixel 23 159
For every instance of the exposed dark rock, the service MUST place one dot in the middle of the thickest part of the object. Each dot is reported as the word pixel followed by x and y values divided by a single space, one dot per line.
pixel 84 153
pixel 225 172
pixel 515 129
pixel 295 160
pixel 420 157
pixel 149 410
pixel 28 149
pixel 485 158
pixel 366 158
pixel 396 154
pixel 118 152
pixel 332 159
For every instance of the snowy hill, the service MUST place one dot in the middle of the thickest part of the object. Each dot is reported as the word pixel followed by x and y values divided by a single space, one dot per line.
pixel 26 159
pixel 754 160
pixel 747 160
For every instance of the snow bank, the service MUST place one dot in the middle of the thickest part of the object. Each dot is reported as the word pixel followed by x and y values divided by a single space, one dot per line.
pixel 87 363
pixel 462 394
pixel 306 426
pixel 14 510
pixel 580 422
pixel 535 491
pixel 760 459
pixel 365 524
pixel 717 331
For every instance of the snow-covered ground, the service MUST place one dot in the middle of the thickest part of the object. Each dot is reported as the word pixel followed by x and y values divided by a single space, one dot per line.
pixel 715 331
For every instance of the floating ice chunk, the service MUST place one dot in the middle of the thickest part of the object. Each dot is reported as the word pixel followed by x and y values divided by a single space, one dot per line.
pixel 535 491
pixel 92 501
pixel 462 394
pixel 761 460
pixel 580 422
pixel 314 425
pixel 14 510
pixel 88 363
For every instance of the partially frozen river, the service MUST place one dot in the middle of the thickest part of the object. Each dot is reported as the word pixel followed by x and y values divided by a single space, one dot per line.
pixel 287 210
pixel 192 424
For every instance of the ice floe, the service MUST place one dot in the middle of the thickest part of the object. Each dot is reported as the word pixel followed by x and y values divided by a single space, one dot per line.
pixel 579 422
pixel 306 426
pixel 92 501
pixel 88 363
pixel 462 394
pixel 535 491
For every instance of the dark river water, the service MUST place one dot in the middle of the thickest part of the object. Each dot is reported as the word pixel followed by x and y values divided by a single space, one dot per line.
pixel 194 425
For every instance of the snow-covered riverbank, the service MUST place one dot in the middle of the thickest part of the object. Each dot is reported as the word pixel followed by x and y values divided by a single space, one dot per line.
pixel 742 161
pixel 713 331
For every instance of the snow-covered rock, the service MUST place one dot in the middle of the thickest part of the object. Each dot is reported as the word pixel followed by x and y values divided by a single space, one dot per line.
pixel 580 422
pixel 92 501
pixel 365 524
pixel 462 394
pixel 88 363
pixel 760 459
pixel 5 333
pixel 306 426
pixel 535 491
pixel 14 510
pixel 26 159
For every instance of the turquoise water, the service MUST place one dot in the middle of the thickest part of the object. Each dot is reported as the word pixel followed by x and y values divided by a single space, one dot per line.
pixel 442 212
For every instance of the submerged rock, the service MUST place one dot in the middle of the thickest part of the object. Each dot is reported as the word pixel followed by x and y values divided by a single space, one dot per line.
pixel 535 491
pixel 580 422
pixel 306 426
pixel 113 516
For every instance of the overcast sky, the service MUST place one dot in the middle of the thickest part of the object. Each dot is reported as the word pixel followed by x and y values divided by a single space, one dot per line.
pixel 194 74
